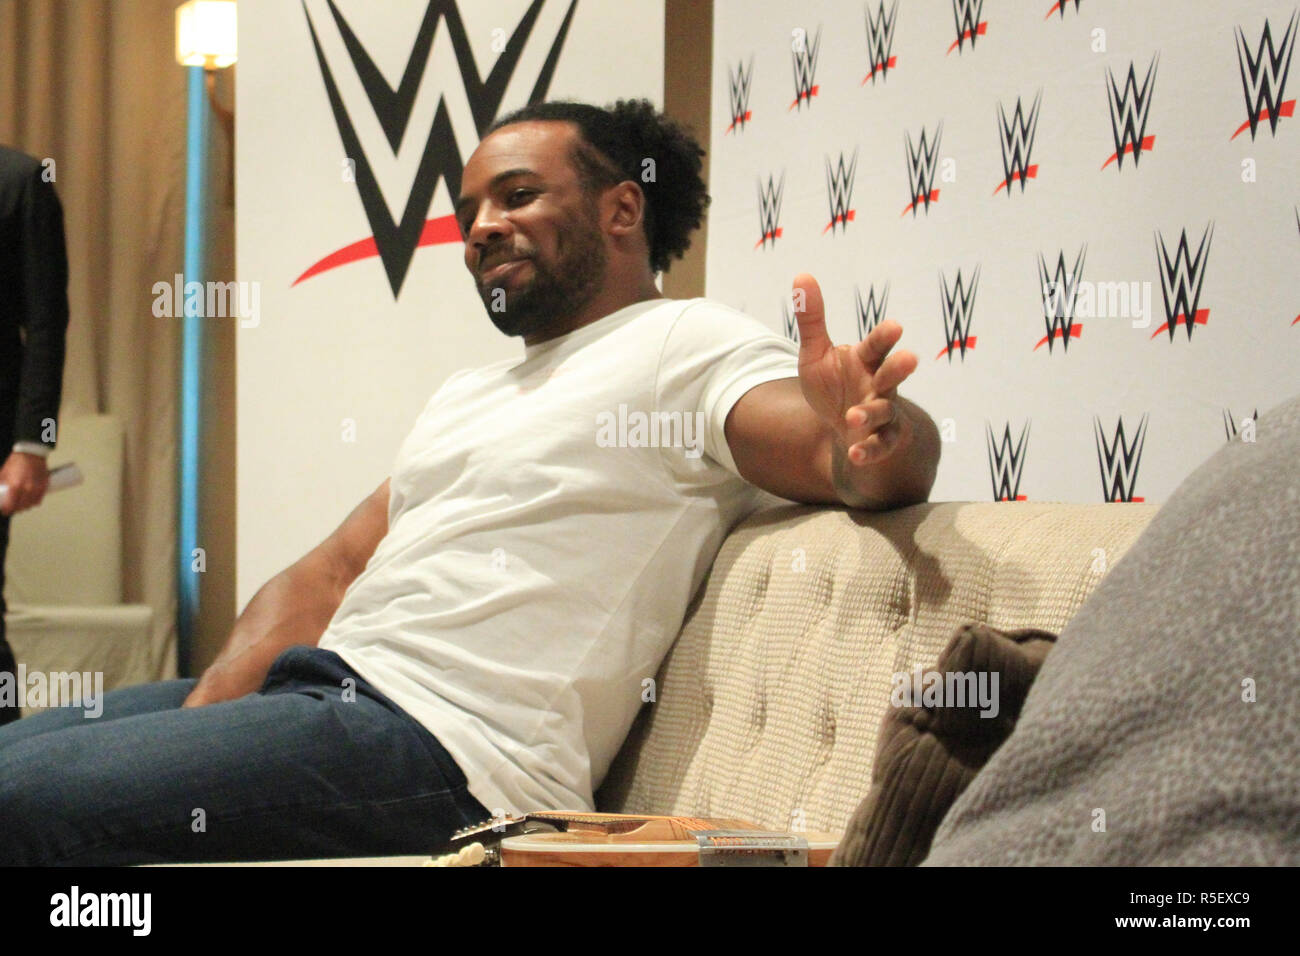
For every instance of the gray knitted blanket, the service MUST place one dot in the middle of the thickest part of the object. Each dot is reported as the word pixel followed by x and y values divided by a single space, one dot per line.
pixel 1164 728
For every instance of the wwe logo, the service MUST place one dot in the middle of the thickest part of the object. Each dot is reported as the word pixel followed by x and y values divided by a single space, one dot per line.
pixel 1006 463
pixel 1247 425
pixel 922 162
pixel 1119 459
pixel 839 192
pixel 769 210
pixel 805 68
pixel 1263 78
pixel 958 313
pixel 1060 293
pixel 880 42
pixel 1128 114
pixel 1060 6
pixel 739 84
pixel 395 241
pixel 872 311
pixel 1181 279
pixel 966 14
pixel 789 322
pixel 1017 143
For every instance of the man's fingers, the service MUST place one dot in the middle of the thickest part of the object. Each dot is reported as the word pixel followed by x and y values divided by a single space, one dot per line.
pixel 880 407
pixel 893 372
pixel 871 415
pixel 873 349
pixel 810 312
pixel 875 447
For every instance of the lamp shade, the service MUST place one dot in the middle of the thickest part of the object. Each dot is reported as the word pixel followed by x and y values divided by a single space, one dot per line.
pixel 206 33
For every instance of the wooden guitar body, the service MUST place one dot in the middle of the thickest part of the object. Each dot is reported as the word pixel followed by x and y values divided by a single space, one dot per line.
pixel 661 841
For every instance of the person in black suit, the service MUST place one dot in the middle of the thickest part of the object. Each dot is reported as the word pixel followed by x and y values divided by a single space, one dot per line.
pixel 33 323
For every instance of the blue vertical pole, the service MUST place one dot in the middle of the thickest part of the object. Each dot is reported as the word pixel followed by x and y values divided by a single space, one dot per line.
pixel 196 175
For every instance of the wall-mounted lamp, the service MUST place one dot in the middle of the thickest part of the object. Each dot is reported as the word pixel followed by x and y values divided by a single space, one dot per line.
pixel 206 41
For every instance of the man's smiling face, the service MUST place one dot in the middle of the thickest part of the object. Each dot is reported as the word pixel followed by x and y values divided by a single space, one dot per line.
pixel 532 235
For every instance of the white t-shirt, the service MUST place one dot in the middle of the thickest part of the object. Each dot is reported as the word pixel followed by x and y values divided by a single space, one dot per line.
pixel 549 521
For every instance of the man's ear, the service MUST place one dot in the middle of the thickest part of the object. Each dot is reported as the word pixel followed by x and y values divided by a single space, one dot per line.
pixel 624 208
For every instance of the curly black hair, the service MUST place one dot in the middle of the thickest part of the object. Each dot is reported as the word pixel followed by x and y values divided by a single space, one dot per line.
pixel 614 146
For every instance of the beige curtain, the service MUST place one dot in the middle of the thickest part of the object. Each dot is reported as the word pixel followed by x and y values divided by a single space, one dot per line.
pixel 94 85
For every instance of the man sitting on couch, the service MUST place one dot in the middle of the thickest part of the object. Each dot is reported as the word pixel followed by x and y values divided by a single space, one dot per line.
pixel 474 637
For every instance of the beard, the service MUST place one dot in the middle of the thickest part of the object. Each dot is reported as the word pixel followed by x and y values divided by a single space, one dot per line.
pixel 556 291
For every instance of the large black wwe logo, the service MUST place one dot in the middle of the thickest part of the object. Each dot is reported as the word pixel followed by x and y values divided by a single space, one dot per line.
pixel 395 241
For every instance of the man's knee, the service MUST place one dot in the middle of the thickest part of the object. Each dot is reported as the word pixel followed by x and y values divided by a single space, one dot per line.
pixel 35 803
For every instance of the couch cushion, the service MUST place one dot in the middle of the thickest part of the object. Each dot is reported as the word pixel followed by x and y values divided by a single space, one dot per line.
pixel 769 704
pixel 929 751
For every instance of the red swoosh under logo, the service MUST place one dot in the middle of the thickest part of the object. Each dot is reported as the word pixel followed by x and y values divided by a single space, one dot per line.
pixel 749 114
pixel 889 65
pixel 934 197
pixel 1147 143
pixel 982 29
pixel 1030 173
pixel 435 232
pixel 1075 330
pixel 809 95
pixel 970 344
pixel 844 220
pixel 1202 316
pixel 1286 109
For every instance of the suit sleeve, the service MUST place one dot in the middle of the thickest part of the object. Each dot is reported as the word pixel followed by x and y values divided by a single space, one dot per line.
pixel 43 309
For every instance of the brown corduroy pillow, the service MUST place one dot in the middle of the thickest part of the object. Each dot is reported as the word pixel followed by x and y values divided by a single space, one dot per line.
pixel 928 754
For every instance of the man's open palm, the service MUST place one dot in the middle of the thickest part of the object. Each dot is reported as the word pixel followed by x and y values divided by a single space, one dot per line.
pixel 853 388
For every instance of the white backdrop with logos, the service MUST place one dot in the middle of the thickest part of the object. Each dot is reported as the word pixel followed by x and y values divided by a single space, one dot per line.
pixel 351 115
pixel 942 163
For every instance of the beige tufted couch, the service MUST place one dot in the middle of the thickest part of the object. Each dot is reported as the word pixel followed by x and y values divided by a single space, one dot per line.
pixel 768 705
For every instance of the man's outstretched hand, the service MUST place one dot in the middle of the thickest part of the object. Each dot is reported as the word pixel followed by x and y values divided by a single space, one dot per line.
pixel 853 388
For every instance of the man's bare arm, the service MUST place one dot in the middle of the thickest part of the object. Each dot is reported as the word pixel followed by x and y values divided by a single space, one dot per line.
pixel 780 445
pixel 839 433
pixel 295 606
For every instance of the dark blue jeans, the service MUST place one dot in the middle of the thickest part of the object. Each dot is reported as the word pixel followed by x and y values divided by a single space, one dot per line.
pixel 309 766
